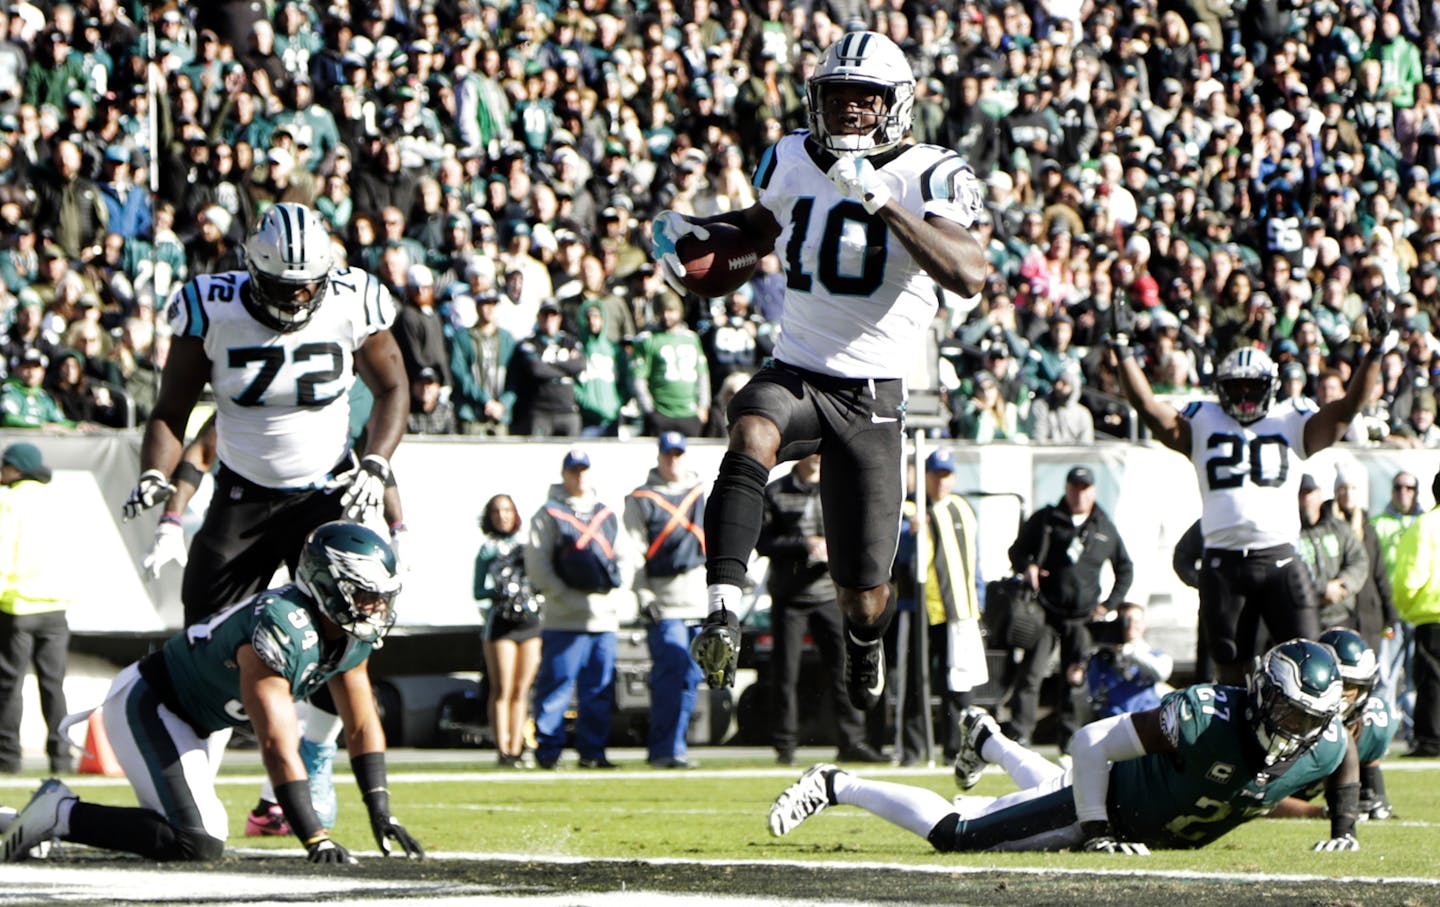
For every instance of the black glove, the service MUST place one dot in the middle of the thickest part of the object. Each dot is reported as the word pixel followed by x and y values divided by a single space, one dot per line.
pixel 387 828
pixel 323 850
pixel 1100 839
pixel 651 613
pixel 1379 314
pixel 1122 325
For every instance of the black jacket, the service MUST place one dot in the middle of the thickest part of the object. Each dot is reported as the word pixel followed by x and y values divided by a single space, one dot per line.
pixel 792 514
pixel 1072 586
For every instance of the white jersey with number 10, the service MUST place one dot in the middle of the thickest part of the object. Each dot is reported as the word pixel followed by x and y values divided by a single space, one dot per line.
pixel 1249 474
pixel 856 302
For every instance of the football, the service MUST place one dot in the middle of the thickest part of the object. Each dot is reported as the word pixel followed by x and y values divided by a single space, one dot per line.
pixel 719 265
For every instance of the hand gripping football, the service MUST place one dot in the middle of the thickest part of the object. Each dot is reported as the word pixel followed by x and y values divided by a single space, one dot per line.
pixel 719 265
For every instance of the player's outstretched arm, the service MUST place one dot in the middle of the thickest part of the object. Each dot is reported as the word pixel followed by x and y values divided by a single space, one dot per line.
pixel 1165 422
pixel 1330 423
pixel 365 741
pixel 267 700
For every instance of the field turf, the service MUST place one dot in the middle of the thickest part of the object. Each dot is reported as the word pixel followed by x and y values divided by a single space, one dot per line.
pixel 586 835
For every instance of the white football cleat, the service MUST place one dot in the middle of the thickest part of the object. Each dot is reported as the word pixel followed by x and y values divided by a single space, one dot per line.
pixel 37 823
pixel 801 800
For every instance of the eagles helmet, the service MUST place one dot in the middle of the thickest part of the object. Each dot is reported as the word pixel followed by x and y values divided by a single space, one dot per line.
pixel 288 257
pixel 866 58
pixel 351 572
pixel 1359 668
pixel 1295 690
pixel 1246 383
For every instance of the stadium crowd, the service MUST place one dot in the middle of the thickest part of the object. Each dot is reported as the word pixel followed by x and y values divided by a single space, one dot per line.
pixel 1252 179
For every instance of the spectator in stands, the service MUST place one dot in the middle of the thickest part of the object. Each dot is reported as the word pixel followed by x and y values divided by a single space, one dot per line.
pixel 1057 417
pixel 542 375
pixel 511 608
pixel 479 366
pixel 671 379
pixel 986 416
pixel 419 327
pixel 431 412
pixel 28 332
pixel 24 403
pixel 68 204
pixel 34 593
pixel 604 387
pixel 663 517
pixel 582 562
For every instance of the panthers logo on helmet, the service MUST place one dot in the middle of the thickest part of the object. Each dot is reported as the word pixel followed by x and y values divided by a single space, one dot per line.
pixel 1246 382
pixel 873 60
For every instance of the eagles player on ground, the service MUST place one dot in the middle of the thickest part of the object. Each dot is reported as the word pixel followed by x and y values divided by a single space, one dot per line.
pixel 866 223
pixel 1247 451
pixel 280 344
pixel 1178 776
pixel 1358 786
pixel 169 715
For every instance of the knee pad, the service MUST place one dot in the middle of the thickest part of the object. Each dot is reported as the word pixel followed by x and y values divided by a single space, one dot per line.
pixel 942 836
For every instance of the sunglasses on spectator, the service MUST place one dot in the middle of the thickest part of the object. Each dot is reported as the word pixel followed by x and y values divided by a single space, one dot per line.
pixel 1399 486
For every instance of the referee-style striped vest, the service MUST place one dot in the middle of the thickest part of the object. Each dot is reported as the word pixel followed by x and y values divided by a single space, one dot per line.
pixel 952 529
pixel 673 526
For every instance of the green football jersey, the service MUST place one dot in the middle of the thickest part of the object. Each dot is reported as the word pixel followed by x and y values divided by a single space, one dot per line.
pixel 283 626
pixel 1377 728
pixel 1215 779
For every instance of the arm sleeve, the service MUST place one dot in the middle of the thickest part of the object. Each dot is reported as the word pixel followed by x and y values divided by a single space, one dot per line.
pixel 1093 748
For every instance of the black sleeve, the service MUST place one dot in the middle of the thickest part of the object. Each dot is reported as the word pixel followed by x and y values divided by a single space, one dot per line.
pixel 1026 547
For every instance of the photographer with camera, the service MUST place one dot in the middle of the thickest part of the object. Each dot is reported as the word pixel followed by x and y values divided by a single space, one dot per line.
pixel 512 628
pixel 1060 551
pixel 1125 673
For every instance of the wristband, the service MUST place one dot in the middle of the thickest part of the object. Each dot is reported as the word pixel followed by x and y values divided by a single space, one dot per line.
pixel 1344 803
pixel 369 769
pixel 187 472
pixel 171 519
pixel 294 800
pixel 398 527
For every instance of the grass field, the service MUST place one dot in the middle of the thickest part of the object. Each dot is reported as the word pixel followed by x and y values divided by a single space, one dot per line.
pixel 541 834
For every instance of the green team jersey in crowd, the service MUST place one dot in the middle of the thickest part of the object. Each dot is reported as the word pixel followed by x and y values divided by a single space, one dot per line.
pixel 671 366
pixel 283 625
pixel 1215 779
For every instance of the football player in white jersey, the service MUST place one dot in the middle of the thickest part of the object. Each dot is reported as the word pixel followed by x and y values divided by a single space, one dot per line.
pixel 1246 450
pixel 279 343
pixel 867 223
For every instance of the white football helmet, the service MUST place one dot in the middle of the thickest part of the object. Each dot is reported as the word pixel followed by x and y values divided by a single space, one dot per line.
pixel 1246 382
pixel 868 58
pixel 288 257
